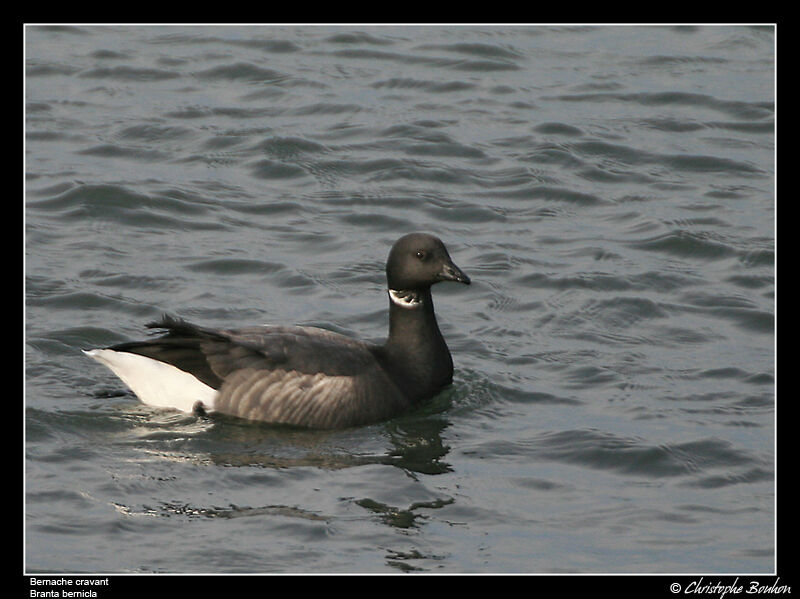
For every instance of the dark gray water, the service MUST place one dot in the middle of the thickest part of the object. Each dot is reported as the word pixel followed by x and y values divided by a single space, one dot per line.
pixel 610 190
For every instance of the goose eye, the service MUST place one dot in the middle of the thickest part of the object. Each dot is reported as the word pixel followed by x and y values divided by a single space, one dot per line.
pixel 421 255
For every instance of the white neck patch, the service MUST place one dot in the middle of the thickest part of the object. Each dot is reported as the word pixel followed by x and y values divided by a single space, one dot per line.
pixel 405 299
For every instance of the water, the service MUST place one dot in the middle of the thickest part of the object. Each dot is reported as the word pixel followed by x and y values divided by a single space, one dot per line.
pixel 610 190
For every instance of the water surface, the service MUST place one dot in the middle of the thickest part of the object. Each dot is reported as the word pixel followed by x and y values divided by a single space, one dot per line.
pixel 609 190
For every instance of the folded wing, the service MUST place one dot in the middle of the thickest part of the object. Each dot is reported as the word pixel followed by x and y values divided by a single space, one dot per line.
pixel 291 375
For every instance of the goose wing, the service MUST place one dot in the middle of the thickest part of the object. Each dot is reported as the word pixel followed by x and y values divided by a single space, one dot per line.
pixel 286 374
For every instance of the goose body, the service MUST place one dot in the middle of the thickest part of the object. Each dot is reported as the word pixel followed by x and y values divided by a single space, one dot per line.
pixel 303 376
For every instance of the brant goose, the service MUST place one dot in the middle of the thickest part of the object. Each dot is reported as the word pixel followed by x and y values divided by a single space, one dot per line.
pixel 303 376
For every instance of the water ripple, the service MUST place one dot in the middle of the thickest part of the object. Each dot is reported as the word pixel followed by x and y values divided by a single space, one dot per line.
pixel 736 109
pixel 688 244
pixel 631 456
pixel 127 73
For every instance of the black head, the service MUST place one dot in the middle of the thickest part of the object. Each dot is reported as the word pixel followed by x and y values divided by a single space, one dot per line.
pixel 419 260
